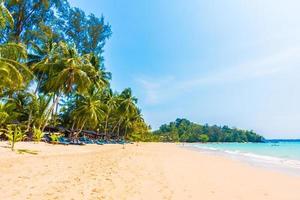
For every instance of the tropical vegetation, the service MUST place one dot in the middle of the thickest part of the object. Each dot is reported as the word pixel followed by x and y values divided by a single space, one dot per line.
pixel 52 73
pixel 182 130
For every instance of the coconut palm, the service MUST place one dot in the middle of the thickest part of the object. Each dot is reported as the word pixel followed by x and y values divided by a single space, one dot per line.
pixel 13 73
pixel 71 73
pixel 131 119
pixel 3 114
pixel 126 108
pixel 38 111
pixel 111 104
pixel 99 77
pixel 128 102
pixel 5 16
pixel 88 112
pixel 65 72
pixel 9 111
pixel 42 54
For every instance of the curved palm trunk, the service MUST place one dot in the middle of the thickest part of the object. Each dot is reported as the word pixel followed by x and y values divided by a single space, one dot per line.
pixel 38 85
pixel 55 107
pixel 118 136
pixel 81 128
pixel 125 137
pixel 29 121
pixel 125 134
pixel 118 124
pixel 50 111
pixel 106 124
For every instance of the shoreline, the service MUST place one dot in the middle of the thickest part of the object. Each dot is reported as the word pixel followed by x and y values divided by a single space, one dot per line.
pixel 146 171
pixel 276 164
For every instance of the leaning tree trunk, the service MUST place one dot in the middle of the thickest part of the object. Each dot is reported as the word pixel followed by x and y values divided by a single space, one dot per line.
pixel 118 132
pixel 116 126
pixel 38 84
pixel 55 107
pixel 29 120
pixel 50 111
pixel 81 128
pixel 106 124
pixel 124 137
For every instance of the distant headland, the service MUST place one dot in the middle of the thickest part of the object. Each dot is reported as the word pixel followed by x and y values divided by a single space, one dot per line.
pixel 183 130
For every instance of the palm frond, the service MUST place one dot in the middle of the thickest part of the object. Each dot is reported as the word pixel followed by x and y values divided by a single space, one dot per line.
pixel 5 16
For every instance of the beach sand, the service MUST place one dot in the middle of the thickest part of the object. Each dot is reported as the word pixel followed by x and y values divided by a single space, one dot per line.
pixel 148 171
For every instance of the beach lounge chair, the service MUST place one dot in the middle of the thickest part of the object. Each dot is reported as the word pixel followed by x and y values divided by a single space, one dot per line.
pixel 63 140
pixel 99 142
pixel 46 138
pixel 86 140
pixel 76 142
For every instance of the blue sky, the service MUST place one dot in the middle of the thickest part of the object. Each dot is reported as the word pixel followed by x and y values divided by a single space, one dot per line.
pixel 231 62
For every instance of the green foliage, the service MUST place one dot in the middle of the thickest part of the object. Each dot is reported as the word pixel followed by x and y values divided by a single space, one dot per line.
pixel 88 33
pixel 37 110
pixel 54 138
pixel 5 16
pixel 188 131
pixel 14 135
pixel 57 51
pixel 203 138
pixel 3 117
pixel 37 135
pixel 13 74
pixel 88 111
pixel 139 132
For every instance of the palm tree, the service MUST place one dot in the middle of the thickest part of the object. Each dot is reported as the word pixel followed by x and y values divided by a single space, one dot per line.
pixel 135 117
pixel 88 112
pixel 5 16
pixel 9 110
pixel 38 110
pixel 42 54
pixel 13 73
pixel 65 72
pixel 72 73
pixel 100 78
pixel 127 107
pixel 20 102
pixel 128 102
pixel 3 114
pixel 111 104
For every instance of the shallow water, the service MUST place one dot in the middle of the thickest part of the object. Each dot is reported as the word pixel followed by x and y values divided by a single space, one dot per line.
pixel 281 155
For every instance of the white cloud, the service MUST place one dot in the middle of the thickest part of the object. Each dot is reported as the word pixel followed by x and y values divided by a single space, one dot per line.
pixel 159 90
pixel 154 89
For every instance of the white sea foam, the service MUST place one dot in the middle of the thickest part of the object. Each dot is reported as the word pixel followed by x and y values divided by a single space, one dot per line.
pixel 263 160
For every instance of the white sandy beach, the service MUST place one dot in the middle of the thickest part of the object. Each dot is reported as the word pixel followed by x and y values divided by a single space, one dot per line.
pixel 147 171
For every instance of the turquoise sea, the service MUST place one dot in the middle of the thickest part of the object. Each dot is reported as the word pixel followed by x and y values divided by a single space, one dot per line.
pixel 279 154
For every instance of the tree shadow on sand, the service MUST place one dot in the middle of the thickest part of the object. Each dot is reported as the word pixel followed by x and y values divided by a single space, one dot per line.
pixel 28 151
pixel 22 151
pixel 6 147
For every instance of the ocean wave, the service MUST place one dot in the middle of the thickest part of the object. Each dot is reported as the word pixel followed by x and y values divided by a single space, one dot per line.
pixel 264 159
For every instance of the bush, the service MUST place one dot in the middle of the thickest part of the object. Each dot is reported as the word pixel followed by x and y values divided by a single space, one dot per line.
pixel 14 135
pixel 37 135
pixel 54 138
pixel 3 117
pixel 203 138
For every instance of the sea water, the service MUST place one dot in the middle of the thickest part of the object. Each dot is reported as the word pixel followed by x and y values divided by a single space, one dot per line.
pixel 280 155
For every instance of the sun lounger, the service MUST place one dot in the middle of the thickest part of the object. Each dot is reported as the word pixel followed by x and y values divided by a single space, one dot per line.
pixel 64 141
pixel 76 142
